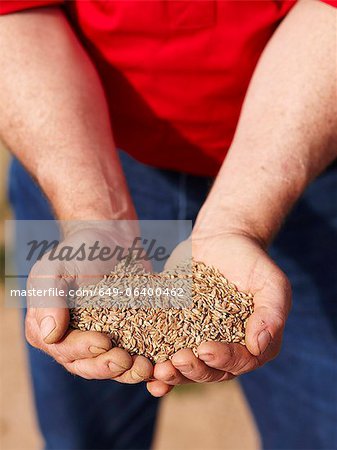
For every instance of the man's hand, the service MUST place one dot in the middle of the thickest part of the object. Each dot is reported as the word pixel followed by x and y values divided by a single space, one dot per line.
pixel 88 354
pixel 55 119
pixel 286 136
pixel 244 262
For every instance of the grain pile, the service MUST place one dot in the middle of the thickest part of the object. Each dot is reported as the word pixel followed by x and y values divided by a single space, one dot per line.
pixel 158 325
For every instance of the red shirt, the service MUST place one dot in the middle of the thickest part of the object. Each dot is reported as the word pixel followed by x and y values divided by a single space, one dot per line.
pixel 175 72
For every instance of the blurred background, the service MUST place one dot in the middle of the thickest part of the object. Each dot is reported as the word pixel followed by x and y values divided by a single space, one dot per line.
pixel 205 417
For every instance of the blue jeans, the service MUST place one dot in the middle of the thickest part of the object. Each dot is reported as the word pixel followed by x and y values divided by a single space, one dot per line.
pixel 293 398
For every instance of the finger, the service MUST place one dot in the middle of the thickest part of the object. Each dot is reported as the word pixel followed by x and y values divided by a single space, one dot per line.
pixel 108 365
pixel 50 311
pixel 141 370
pixel 158 388
pixel 194 369
pixel 264 329
pixel 167 373
pixel 271 307
pixel 232 358
pixel 52 323
pixel 79 345
pixel 46 326
pixel 75 344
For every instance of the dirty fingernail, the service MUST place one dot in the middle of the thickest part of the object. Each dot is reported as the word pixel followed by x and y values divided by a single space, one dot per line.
pixel 114 366
pixel 206 357
pixel 184 368
pixel 47 326
pixel 263 340
pixel 135 376
pixel 170 377
pixel 97 350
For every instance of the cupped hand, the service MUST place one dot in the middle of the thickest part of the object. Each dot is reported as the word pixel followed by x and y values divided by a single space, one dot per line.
pixel 242 260
pixel 88 354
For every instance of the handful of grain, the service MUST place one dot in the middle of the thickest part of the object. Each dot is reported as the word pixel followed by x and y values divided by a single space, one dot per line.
pixel 216 310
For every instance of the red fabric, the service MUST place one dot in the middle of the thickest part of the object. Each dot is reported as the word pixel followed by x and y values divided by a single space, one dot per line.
pixel 175 72
pixel 10 6
pixel 330 2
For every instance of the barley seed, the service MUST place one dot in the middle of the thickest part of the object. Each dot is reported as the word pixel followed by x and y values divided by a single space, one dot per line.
pixel 158 326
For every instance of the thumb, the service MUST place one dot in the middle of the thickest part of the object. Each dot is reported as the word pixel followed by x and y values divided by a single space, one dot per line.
pixel 52 323
pixel 265 326
pixel 47 306
pixel 263 329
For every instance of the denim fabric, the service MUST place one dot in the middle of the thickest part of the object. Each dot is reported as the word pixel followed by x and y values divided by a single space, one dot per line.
pixel 294 398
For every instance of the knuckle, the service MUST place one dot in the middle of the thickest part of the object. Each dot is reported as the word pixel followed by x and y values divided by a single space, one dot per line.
pixel 98 339
pixel 108 372
pixel 59 356
pixel 226 354
pixel 62 352
pixel 205 377
pixel 69 368
pixel 169 376
pixel 76 369
pixel 273 319
pixel 246 365
pixel 227 376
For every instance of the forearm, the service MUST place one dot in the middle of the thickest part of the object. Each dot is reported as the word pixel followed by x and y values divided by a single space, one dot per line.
pixel 54 118
pixel 287 130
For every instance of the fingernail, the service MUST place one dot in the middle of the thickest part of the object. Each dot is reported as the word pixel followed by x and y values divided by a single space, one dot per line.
pixel 97 350
pixel 184 368
pixel 47 326
pixel 114 366
pixel 263 340
pixel 171 377
pixel 135 376
pixel 207 357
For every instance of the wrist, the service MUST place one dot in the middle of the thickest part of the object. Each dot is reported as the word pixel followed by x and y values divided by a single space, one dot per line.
pixel 100 208
pixel 102 230
pixel 88 197
pixel 214 221
pixel 251 201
